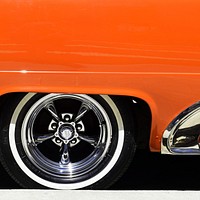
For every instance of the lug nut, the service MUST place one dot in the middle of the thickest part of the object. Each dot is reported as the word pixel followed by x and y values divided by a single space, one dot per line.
pixel 79 127
pixel 54 126
pixel 58 140
pixel 66 118
pixel 73 141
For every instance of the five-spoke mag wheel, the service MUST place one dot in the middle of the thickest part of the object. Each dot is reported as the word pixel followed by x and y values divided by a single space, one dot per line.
pixel 66 141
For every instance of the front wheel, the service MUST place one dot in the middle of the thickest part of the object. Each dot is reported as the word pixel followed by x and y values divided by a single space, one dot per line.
pixel 66 141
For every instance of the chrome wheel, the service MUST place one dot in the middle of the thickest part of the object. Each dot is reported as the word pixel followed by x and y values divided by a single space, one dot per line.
pixel 66 141
pixel 67 133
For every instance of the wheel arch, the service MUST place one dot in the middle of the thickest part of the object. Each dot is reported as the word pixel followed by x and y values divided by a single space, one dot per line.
pixel 140 111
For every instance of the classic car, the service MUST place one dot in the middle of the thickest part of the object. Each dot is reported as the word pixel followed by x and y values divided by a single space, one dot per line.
pixel 83 83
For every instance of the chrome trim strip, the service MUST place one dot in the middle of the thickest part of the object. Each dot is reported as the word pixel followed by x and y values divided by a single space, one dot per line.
pixel 182 136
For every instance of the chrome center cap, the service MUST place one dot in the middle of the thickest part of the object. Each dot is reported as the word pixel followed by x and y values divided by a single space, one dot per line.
pixel 66 132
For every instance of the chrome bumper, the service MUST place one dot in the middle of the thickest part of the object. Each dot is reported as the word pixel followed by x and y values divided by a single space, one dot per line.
pixel 182 136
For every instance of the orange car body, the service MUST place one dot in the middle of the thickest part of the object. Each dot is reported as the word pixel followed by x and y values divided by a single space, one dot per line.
pixel 148 49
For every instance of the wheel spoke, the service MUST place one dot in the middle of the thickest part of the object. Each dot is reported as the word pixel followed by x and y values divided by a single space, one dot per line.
pixel 65 159
pixel 52 111
pixel 90 140
pixel 82 111
pixel 42 138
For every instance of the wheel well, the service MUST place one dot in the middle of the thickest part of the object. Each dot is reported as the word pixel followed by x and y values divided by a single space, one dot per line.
pixel 4 98
pixel 139 109
pixel 142 115
pixel 5 101
pixel 142 112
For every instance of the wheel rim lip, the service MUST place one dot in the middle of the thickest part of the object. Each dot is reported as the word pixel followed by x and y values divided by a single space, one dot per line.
pixel 73 170
pixel 54 185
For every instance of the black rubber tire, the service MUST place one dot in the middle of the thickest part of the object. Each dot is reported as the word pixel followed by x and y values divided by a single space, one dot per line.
pixel 25 172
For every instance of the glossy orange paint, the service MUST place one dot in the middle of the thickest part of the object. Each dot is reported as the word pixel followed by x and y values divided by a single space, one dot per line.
pixel 148 49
